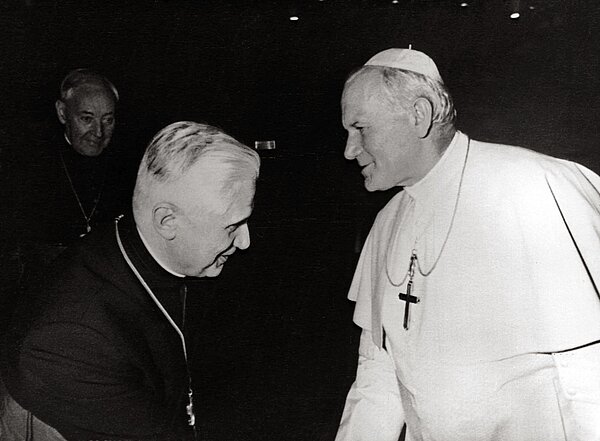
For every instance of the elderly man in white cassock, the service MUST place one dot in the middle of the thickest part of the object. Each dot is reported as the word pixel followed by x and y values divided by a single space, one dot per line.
pixel 477 287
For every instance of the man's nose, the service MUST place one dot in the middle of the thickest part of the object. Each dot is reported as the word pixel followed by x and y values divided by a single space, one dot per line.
pixel 98 129
pixel 353 147
pixel 242 239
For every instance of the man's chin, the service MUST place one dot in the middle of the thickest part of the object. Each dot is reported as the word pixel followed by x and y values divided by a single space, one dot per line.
pixel 211 271
pixel 89 152
pixel 89 149
pixel 370 186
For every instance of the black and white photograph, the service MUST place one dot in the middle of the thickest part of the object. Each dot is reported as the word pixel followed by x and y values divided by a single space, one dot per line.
pixel 300 220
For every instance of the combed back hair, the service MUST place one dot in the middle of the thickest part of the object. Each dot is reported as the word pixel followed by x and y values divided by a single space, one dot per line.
pixel 177 147
pixel 403 87
pixel 85 77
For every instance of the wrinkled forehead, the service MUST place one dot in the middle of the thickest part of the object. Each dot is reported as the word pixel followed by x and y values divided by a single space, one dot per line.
pixel 362 88
pixel 363 84
pixel 91 93
pixel 366 76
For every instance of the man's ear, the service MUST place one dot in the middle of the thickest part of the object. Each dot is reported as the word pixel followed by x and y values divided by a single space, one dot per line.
pixel 423 112
pixel 165 219
pixel 61 111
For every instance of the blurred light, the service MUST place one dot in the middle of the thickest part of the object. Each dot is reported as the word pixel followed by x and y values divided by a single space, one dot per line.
pixel 294 18
pixel 531 8
pixel 395 2
pixel 265 145
pixel 464 4
pixel 515 15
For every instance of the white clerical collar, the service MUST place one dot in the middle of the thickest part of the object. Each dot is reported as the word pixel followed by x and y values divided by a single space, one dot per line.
pixel 430 210
pixel 443 171
pixel 162 265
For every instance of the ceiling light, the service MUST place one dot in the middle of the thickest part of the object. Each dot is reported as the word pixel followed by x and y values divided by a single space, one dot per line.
pixel 515 6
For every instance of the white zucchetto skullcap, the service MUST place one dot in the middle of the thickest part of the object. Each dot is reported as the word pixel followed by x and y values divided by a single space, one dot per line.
pixel 407 59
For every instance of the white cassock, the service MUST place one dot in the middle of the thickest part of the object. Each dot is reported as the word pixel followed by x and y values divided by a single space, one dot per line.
pixel 507 245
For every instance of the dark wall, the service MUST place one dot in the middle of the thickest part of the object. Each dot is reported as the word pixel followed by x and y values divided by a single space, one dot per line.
pixel 534 81
pixel 246 68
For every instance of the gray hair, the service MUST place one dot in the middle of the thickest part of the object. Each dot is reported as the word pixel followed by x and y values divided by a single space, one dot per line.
pixel 85 77
pixel 177 147
pixel 402 87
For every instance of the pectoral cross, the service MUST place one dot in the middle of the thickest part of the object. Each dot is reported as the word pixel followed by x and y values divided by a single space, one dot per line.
pixel 190 410
pixel 408 298
pixel 87 230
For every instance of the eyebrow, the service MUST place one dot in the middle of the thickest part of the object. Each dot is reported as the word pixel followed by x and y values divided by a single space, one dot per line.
pixel 357 124
pixel 240 222
pixel 89 112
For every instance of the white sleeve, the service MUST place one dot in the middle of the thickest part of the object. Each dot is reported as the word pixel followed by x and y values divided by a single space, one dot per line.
pixel 373 410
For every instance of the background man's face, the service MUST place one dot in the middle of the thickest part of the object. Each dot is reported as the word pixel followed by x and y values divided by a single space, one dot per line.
pixel 89 119
pixel 207 236
pixel 381 141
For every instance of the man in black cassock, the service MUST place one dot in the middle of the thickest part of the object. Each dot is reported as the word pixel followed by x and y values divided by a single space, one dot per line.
pixel 98 348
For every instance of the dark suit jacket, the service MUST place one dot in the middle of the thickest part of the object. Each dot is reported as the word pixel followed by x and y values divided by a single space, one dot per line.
pixel 90 354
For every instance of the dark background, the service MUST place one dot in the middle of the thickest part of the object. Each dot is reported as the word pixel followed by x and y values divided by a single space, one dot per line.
pixel 274 349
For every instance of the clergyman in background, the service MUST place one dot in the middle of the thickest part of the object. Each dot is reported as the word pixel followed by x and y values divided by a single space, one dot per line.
pixel 75 180
pixel 69 182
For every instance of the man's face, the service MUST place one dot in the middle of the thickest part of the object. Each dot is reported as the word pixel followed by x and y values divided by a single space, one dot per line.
pixel 206 236
pixel 89 119
pixel 382 142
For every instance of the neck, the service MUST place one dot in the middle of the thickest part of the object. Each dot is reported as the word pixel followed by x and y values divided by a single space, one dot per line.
pixel 150 242
pixel 430 151
pixel 442 139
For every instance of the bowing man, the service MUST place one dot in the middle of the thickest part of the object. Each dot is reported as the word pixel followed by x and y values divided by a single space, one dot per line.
pixel 98 349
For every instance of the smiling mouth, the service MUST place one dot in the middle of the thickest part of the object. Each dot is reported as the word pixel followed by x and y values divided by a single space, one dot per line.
pixel 366 169
pixel 222 259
